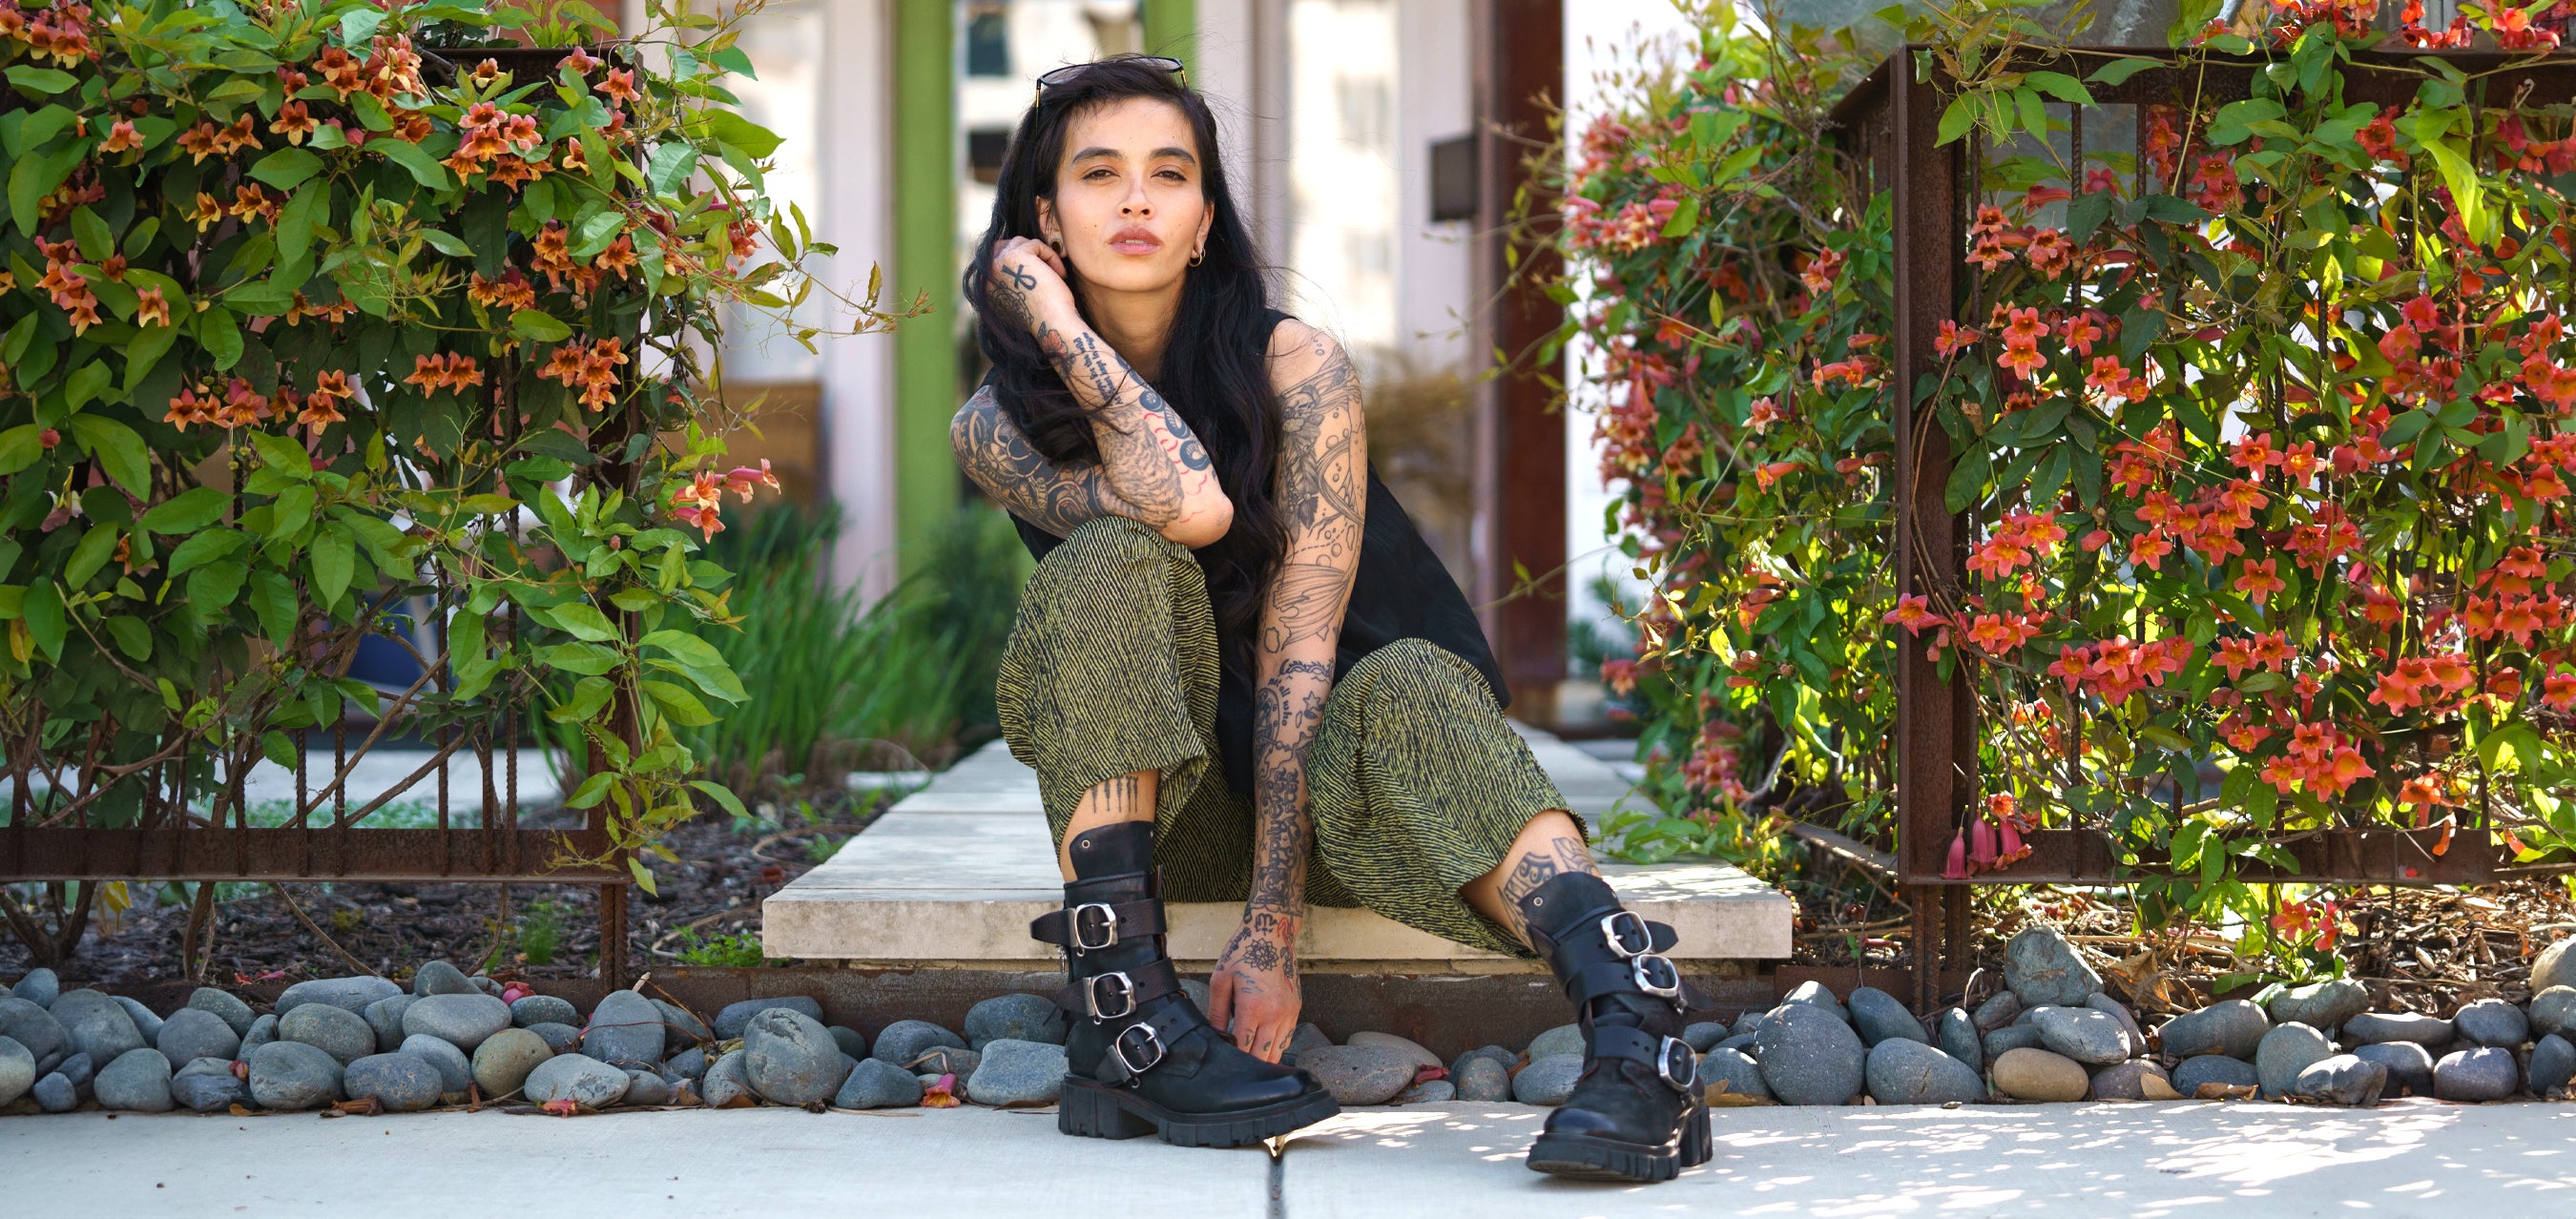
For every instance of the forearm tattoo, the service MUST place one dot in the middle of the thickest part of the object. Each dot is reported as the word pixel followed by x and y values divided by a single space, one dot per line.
pixel 999 458
pixel 1148 453
pixel 1286 712
pixel 1322 466
pixel 1542 864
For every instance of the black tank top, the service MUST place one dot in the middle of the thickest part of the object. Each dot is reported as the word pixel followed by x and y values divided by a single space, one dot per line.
pixel 1401 590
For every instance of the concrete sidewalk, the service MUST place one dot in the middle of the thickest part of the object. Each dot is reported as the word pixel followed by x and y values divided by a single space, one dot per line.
pixel 2409 1158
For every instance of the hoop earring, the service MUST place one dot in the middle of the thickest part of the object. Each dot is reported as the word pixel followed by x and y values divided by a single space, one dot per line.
pixel 1200 257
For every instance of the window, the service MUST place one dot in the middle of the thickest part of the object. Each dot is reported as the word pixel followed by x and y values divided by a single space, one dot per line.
pixel 988 41
pixel 984 149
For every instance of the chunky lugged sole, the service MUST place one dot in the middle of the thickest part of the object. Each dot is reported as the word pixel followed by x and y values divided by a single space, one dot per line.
pixel 1587 1157
pixel 1584 1157
pixel 1093 1109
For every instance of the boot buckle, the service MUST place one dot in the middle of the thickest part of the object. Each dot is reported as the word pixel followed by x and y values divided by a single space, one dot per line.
pixel 1656 975
pixel 1150 1041
pixel 1107 924
pixel 1621 928
pixel 1124 993
pixel 1677 1065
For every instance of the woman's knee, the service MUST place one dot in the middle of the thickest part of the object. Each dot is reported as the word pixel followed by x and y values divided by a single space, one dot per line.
pixel 1116 541
pixel 1418 672
pixel 1110 557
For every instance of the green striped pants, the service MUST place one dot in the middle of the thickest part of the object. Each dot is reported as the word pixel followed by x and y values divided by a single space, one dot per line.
pixel 1415 782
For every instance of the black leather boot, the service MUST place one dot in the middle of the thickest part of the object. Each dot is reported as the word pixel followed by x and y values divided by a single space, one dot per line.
pixel 1637 1114
pixel 1142 1058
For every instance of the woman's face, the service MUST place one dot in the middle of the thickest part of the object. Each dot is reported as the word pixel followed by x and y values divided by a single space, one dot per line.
pixel 1128 206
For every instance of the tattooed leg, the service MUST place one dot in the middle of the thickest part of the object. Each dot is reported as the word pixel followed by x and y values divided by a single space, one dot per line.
pixel 1117 798
pixel 1551 843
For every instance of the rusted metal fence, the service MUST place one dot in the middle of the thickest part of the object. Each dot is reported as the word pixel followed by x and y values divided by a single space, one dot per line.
pixel 1889 124
pixel 182 827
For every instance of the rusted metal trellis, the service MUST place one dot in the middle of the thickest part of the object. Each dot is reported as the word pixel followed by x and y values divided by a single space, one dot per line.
pixel 1890 125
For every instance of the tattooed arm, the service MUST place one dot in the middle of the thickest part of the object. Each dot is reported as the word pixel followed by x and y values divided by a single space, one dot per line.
pixel 1152 466
pixel 1322 481
pixel 998 456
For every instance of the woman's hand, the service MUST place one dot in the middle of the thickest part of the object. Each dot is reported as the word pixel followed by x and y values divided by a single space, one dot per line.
pixel 1253 993
pixel 1028 281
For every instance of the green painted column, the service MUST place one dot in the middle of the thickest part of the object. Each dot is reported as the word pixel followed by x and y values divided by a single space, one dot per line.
pixel 1171 28
pixel 924 259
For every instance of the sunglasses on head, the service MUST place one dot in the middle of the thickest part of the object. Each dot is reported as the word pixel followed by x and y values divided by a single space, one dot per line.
pixel 1072 71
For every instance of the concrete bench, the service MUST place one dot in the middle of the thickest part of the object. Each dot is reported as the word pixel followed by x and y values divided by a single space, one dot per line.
pixel 950 877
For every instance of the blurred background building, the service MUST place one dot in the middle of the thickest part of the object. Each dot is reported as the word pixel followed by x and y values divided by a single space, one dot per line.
pixel 1357 136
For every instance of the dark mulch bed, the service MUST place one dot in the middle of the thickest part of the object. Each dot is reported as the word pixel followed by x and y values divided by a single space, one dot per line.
pixel 714 891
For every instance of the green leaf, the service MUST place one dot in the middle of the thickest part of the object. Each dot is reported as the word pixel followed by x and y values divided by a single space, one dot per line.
pixel 589 659
pixel 539 326
pixel 89 555
pixel 43 612
pixel 220 333
pixel 295 225
pixel 2085 214
pixel 20 446
pixel 2166 737
pixel 592 790
pixel 186 512
pixel 447 243
pixel 41 80
pixel 34 177
pixel 272 598
pixel 597 232
pixel 1957 119
pixel 1684 219
pixel 119 449
pixel 290 512
pixel 2119 70
pixel 1968 480
pixel 688 649
pixel 557 444
pixel 335 560
pixel 207 547
pixel 132 637
pixel 2034 111
pixel 670 168
pixel 676 702
pixel 2061 86
pixel 643 876
pixel 283 454
pixel 2172 210
pixel 727 127
pixel 359 25
pixel 583 621
pixel 589 696
pixel 286 168
pixel 90 232
pixel 84 384
pixel 424 168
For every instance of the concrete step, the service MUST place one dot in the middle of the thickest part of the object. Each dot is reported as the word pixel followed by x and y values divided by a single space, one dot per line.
pixel 950 877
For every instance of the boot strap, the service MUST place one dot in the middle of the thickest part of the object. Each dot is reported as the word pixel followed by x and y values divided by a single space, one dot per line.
pixel 1119 993
pixel 1093 926
pixel 1142 1046
pixel 1670 1058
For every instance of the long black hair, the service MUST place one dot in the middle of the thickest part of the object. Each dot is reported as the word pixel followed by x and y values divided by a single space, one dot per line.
pixel 1215 371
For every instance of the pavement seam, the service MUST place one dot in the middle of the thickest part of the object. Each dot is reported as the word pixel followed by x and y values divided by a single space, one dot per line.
pixel 1279 1181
